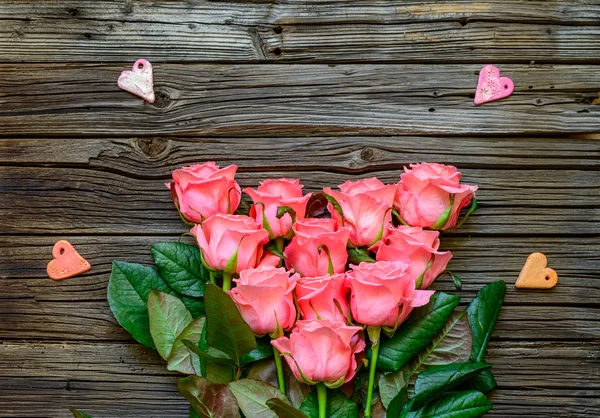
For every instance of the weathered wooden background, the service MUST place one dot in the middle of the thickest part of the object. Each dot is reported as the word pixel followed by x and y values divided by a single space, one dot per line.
pixel 323 90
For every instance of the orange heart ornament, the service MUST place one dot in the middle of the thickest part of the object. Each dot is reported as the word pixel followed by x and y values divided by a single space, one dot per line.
pixel 536 274
pixel 67 262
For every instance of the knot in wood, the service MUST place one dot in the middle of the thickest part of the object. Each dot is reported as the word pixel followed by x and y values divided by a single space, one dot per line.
pixel 367 154
pixel 152 147
pixel 163 99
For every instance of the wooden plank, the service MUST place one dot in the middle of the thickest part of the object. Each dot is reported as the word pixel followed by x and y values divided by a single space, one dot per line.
pixel 478 261
pixel 112 379
pixel 460 31
pixel 35 307
pixel 74 200
pixel 159 156
pixel 297 100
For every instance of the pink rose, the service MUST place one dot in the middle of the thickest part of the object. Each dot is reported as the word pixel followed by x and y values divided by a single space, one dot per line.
pixel 383 293
pixel 316 296
pixel 264 297
pixel 316 250
pixel 430 196
pixel 200 191
pixel 366 207
pixel 321 351
pixel 269 197
pixel 230 243
pixel 419 248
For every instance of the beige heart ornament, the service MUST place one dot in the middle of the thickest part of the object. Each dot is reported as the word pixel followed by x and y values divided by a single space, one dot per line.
pixel 536 274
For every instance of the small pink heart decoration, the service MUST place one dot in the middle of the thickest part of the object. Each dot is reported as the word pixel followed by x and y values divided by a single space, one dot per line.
pixel 491 86
pixel 139 80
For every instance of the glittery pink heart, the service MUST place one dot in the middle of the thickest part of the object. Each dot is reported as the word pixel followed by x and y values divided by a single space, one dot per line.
pixel 491 86
pixel 139 80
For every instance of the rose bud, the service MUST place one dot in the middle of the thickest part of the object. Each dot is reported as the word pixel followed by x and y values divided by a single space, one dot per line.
pixel 264 298
pixel 383 293
pixel 419 248
pixel 317 297
pixel 230 243
pixel 365 209
pixel 200 191
pixel 318 249
pixel 272 195
pixel 430 196
pixel 321 351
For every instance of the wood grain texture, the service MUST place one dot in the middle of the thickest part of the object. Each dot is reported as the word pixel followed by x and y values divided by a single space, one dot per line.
pixel 74 200
pixel 459 31
pixel 297 100
pixel 99 377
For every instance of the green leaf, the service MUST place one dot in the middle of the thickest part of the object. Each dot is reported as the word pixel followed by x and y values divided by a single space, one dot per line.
pixel 283 410
pixel 338 405
pixel 252 396
pixel 266 371
pixel 358 255
pixel 193 413
pixel 417 332
pixel 210 400
pixel 181 267
pixel 181 358
pixel 78 414
pixel 215 372
pixel 468 404
pixel 473 208
pixel 457 281
pixel 335 205
pixel 225 328
pixel 168 318
pixel 483 382
pixel 195 306
pixel 395 406
pixel 390 385
pixel 451 345
pixel 226 361
pixel 483 312
pixel 437 380
pixel 127 296
pixel 263 350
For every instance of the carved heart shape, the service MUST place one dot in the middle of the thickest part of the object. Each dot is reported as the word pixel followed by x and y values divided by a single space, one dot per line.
pixel 491 86
pixel 67 262
pixel 535 274
pixel 139 80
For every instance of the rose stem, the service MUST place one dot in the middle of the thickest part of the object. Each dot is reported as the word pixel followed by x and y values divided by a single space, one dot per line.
pixel 213 279
pixel 226 281
pixel 322 396
pixel 279 370
pixel 372 367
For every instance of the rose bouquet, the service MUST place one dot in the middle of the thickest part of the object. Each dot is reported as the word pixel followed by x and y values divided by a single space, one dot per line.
pixel 313 305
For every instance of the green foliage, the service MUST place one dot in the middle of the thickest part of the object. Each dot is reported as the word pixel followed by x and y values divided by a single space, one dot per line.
pixel 168 318
pixel 284 410
pixel 78 414
pixel 417 332
pixel 252 396
pixel 467 404
pixel 263 350
pixel 127 296
pixel 209 400
pixel 338 405
pixel 180 265
pixel 225 328
pixel 436 380
pixel 182 358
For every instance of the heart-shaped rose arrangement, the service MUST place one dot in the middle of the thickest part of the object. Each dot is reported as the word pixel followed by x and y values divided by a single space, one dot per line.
pixel 313 305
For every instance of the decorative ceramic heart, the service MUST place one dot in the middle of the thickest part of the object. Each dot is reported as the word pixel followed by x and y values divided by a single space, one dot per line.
pixel 67 262
pixel 491 86
pixel 535 274
pixel 139 80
